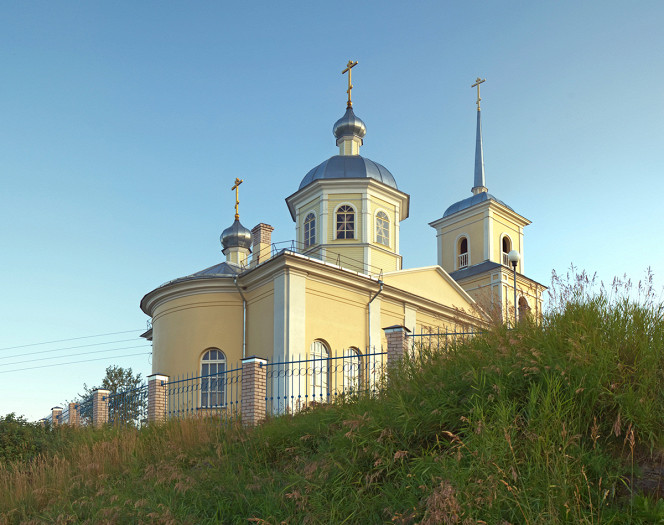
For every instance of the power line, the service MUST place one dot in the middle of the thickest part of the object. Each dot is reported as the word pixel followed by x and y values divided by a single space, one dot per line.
pixel 74 355
pixel 68 348
pixel 70 363
pixel 70 339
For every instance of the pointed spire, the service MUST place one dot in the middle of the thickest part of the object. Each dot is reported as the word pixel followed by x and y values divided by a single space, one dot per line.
pixel 479 182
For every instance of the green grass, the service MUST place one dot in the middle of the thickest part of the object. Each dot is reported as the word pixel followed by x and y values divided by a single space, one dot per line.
pixel 551 423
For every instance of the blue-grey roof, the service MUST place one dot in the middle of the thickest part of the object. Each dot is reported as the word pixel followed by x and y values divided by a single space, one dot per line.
pixel 469 271
pixel 472 201
pixel 485 266
pixel 223 269
pixel 349 167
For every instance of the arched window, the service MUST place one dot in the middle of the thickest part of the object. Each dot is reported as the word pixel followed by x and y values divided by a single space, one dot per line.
pixel 507 248
pixel 463 252
pixel 524 308
pixel 309 230
pixel 319 355
pixel 213 380
pixel 352 369
pixel 345 222
pixel 382 228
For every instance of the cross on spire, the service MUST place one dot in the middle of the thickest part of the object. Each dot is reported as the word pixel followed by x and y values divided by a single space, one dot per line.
pixel 477 83
pixel 236 187
pixel 349 66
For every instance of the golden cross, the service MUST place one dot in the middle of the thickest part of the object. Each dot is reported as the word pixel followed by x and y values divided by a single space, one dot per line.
pixel 236 187
pixel 477 83
pixel 349 66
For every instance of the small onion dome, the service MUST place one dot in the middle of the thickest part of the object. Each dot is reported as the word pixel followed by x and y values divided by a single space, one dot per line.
pixel 349 125
pixel 236 236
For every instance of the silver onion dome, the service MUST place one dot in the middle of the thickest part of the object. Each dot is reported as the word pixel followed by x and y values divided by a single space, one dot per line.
pixel 349 125
pixel 236 236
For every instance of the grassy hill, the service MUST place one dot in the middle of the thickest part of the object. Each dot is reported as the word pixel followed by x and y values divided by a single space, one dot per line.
pixel 557 423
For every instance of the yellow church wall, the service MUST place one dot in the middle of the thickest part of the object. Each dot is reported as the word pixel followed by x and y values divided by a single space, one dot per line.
pixel 494 293
pixel 260 321
pixel 352 257
pixel 430 284
pixel 384 261
pixel 184 328
pixel 504 226
pixel 335 315
pixel 473 228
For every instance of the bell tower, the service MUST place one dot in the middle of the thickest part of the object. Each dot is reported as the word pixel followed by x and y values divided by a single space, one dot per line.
pixel 475 236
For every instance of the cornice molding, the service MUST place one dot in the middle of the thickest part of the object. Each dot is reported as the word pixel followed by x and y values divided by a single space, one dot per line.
pixel 332 186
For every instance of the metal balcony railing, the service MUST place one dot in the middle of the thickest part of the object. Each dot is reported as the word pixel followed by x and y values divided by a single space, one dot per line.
pixel 463 260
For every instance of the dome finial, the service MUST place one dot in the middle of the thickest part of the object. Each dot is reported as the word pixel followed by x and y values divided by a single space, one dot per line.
pixel 236 240
pixel 477 83
pixel 349 66
pixel 236 187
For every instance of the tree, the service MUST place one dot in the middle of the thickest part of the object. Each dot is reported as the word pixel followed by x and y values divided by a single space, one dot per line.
pixel 20 440
pixel 128 398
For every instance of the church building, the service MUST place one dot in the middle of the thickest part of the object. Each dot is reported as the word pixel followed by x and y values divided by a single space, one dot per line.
pixel 332 290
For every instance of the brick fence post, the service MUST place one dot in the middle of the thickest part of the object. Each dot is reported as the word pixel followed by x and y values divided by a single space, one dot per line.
pixel 254 375
pixel 397 344
pixel 100 407
pixel 157 384
pixel 74 416
pixel 56 413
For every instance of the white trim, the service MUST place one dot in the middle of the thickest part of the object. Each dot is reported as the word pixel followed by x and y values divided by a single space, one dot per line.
pixel 488 227
pixel 334 216
pixel 375 309
pixel 522 266
pixel 502 236
pixel 366 216
pixel 439 246
pixel 456 250
pixel 323 218
pixel 258 360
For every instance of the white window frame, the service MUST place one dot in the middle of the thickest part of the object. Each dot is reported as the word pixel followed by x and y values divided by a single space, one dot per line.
pixel 213 386
pixel 304 230
pixel 336 228
pixel 352 368
pixel 319 379
pixel 503 255
pixel 387 219
pixel 457 251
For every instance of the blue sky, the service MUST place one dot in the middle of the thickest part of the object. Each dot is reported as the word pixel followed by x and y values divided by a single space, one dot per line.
pixel 123 125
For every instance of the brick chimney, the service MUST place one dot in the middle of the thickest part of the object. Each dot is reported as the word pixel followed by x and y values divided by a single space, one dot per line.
pixel 262 249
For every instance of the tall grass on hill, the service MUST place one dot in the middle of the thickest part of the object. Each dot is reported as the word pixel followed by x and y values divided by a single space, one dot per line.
pixel 551 423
